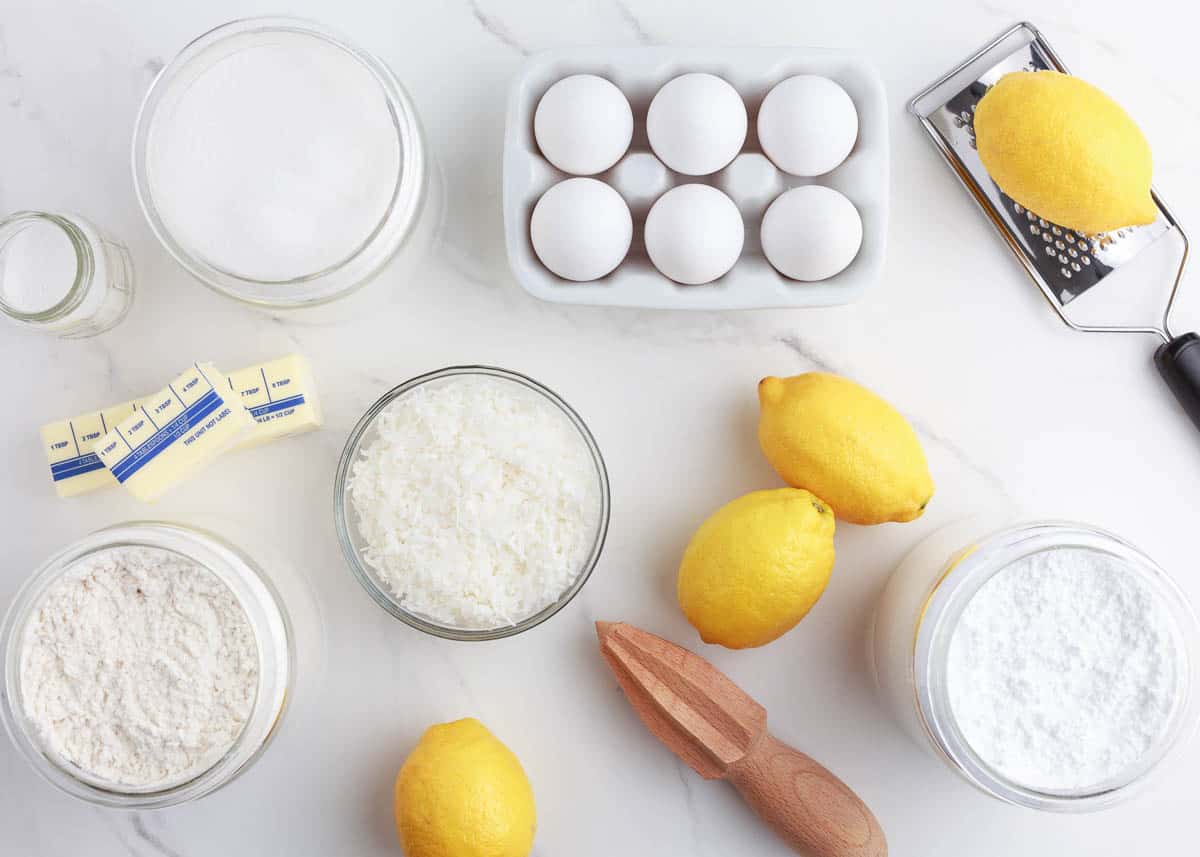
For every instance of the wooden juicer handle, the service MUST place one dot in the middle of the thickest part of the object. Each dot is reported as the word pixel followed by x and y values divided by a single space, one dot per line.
pixel 720 732
pixel 812 810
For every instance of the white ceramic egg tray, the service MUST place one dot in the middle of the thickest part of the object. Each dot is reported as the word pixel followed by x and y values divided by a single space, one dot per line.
pixel 751 180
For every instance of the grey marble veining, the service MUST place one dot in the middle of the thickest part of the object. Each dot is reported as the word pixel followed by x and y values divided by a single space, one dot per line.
pixel 1011 408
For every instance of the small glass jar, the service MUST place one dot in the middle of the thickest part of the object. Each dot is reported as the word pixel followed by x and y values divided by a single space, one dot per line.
pixel 267 618
pixel 353 545
pixel 62 275
pixel 917 616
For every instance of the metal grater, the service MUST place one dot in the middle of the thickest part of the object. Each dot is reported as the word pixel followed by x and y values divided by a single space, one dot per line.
pixel 1062 262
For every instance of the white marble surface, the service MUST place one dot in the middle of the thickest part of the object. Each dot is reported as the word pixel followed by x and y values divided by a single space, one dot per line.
pixel 1008 402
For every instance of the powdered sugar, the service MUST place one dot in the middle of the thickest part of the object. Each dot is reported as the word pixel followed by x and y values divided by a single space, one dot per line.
pixel 139 666
pixel 1064 670
pixel 477 499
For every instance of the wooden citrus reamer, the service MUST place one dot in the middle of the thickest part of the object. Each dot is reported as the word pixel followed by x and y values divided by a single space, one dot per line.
pixel 721 733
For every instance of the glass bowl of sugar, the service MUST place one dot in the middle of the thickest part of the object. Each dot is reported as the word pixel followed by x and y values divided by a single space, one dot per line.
pixel 471 503
pixel 279 164
pixel 1051 664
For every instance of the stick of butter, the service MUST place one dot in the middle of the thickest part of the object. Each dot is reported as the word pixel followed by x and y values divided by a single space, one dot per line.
pixel 70 444
pixel 175 433
pixel 279 394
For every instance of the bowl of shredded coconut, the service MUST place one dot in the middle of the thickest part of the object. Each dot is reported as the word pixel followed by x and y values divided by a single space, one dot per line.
pixel 471 503
pixel 146 665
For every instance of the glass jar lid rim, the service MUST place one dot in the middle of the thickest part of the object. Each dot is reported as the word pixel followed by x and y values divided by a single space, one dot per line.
pixel 85 264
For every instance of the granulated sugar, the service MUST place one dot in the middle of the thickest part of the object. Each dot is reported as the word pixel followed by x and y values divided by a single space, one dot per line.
pixel 478 501
pixel 139 666
pixel 1064 670
pixel 277 160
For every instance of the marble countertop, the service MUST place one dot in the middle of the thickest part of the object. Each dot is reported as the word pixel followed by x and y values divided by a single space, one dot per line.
pixel 1011 406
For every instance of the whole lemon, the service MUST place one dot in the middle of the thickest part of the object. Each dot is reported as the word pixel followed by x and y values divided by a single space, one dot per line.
pixel 1066 151
pixel 462 793
pixel 840 441
pixel 756 567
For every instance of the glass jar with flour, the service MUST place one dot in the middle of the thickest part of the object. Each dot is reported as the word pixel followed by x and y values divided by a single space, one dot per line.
pixel 1050 664
pixel 145 666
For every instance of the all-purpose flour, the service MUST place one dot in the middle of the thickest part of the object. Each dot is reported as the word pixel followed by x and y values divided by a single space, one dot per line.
pixel 139 666
pixel 1064 670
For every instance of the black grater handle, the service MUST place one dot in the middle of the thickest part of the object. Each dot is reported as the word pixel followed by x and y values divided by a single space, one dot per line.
pixel 1178 361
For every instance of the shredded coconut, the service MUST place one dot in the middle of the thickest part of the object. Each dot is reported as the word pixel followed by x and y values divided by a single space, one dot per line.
pixel 139 666
pixel 1064 670
pixel 477 500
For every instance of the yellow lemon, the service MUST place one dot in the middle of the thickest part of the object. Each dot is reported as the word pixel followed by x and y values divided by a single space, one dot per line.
pixel 846 445
pixel 756 567
pixel 462 793
pixel 1066 151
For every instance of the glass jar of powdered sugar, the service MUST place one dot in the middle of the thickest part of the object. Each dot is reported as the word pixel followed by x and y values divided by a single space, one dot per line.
pixel 145 666
pixel 60 274
pixel 282 165
pixel 1050 664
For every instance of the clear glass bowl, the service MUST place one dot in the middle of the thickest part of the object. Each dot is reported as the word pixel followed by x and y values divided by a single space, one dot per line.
pixel 917 617
pixel 352 545
pixel 272 632
pixel 410 194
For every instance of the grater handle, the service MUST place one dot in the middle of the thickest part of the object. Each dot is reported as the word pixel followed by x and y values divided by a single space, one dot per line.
pixel 1178 361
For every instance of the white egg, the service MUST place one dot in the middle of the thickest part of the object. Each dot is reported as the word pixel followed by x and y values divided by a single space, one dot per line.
pixel 581 229
pixel 807 125
pixel 694 234
pixel 811 233
pixel 583 124
pixel 696 124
